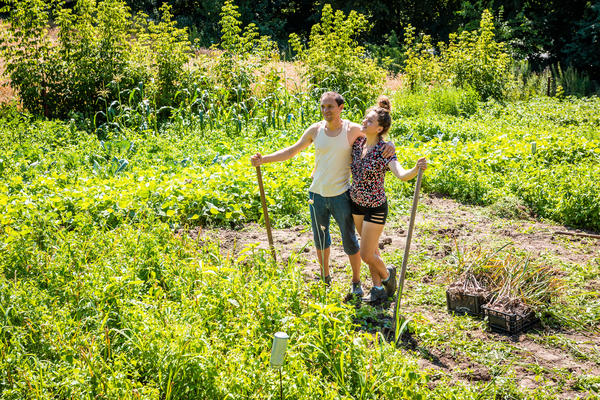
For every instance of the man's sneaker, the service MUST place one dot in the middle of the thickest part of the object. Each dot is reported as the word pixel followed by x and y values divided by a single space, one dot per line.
pixel 390 283
pixel 327 280
pixel 357 290
pixel 376 296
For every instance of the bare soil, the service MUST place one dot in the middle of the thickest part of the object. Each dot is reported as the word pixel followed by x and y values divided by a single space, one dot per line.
pixel 440 224
pixel 441 219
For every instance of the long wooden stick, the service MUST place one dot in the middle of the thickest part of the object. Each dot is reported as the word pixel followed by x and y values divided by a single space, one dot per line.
pixel 263 200
pixel 411 225
pixel 577 234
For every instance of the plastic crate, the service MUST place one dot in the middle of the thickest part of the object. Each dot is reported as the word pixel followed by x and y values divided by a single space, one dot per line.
pixel 466 304
pixel 502 322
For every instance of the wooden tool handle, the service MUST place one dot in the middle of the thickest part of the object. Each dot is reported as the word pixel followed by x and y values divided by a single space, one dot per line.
pixel 411 225
pixel 263 200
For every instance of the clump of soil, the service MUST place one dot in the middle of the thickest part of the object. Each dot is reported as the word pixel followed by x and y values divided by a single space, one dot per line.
pixel 468 284
pixel 509 305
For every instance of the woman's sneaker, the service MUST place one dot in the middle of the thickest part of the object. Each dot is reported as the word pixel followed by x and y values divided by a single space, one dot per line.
pixel 376 296
pixel 390 283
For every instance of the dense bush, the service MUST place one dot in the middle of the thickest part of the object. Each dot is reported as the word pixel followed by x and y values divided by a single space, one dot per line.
pixel 335 60
pixel 475 59
pixel 470 60
pixel 244 51
pixel 99 51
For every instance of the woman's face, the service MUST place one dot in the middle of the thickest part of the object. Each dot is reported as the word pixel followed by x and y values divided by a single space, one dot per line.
pixel 370 126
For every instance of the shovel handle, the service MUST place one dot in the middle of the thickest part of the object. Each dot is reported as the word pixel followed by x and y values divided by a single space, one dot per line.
pixel 263 200
pixel 411 225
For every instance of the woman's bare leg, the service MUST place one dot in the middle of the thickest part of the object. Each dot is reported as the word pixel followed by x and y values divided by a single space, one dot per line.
pixel 369 251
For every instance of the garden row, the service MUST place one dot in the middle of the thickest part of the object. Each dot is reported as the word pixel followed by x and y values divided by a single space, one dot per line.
pixel 508 157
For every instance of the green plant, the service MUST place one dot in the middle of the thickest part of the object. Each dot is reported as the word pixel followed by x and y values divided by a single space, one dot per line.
pixel 113 283
pixel 452 101
pixel 165 49
pixel 335 61
pixel 389 55
pixel 573 82
pixel 473 59
pixel 98 52
pixel 422 66
pixel 29 54
pixel 243 52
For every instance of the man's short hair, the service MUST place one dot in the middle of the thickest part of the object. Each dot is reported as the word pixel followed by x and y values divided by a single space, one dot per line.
pixel 339 99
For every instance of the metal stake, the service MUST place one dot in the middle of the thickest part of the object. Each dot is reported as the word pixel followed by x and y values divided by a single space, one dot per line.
pixel 280 385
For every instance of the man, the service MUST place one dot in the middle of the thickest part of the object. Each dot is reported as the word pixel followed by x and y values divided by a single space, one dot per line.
pixel 333 138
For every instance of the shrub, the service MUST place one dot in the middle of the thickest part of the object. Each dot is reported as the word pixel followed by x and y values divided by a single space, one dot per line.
pixel 472 59
pixel 28 53
pixel 422 65
pixel 244 51
pixel 524 83
pixel 163 49
pixel 335 61
pixel 96 46
pixel 389 55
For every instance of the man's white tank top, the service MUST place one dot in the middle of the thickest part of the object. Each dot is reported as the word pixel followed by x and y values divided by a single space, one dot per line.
pixel 332 162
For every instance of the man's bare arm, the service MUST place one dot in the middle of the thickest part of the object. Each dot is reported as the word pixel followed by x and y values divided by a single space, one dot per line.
pixel 354 132
pixel 285 154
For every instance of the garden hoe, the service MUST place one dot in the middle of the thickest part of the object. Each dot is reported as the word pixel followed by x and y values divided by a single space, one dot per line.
pixel 398 329
pixel 263 200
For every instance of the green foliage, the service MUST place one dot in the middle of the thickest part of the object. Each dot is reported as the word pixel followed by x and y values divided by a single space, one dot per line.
pixel 244 51
pixel 472 59
pixel 103 293
pixel 437 100
pixel 389 55
pixel 334 59
pixel 29 54
pixel 98 52
pixel 542 33
pixel 457 102
pixel 163 49
pixel 524 83
pixel 581 52
pixel 543 152
pixel 422 67
pixel 574 82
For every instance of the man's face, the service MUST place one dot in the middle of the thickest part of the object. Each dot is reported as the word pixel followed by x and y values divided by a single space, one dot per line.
pixel 330 109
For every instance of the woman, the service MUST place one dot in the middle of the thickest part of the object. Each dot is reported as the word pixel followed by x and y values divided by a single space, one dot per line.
pixel 369 204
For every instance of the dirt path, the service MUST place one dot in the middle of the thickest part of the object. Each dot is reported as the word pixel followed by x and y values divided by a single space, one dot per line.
pixel 439 220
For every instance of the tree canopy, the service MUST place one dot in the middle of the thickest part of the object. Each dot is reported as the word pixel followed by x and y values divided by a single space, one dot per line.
pixel 542 31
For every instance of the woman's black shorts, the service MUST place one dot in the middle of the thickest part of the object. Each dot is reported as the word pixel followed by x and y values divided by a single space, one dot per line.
pixel 376 215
